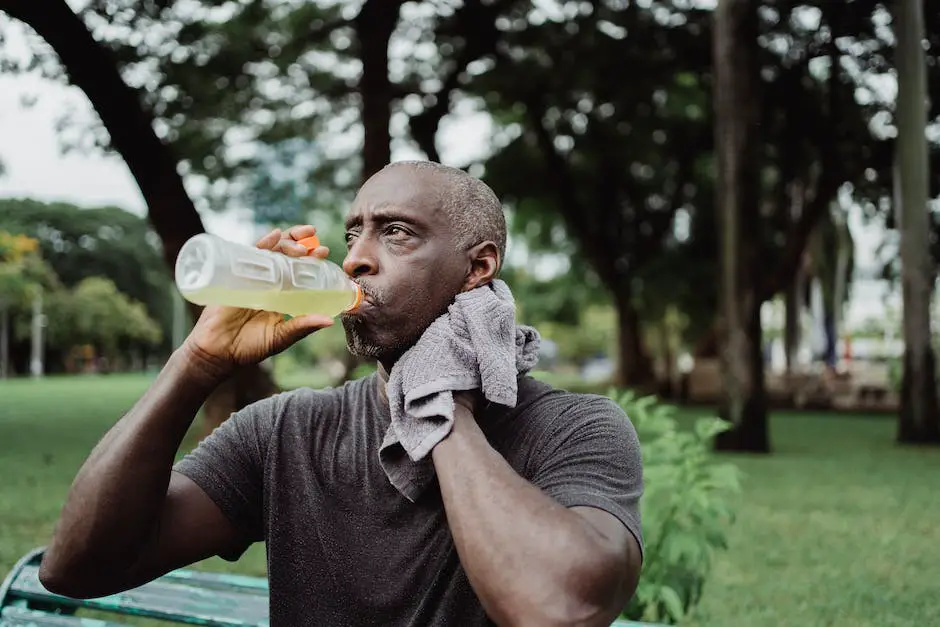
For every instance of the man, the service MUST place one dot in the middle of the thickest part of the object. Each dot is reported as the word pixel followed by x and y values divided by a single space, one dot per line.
pixel 533 519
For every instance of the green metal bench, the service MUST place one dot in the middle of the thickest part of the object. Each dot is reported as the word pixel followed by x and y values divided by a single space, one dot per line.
pixel 183 596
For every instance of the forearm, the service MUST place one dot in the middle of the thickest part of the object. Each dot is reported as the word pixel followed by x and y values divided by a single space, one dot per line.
pixel 116 497
pixel 529 559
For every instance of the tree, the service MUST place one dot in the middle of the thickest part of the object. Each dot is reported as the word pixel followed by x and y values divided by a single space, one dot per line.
pixel 23 275
pixel 919 421
pixel 266 73
pixel 103 241
pixel 96 313
pixel 153 163
pixel 596 167
pixel 15 288
pixel 737 143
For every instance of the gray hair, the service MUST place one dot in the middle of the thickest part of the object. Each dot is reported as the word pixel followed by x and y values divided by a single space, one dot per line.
pixel 472 206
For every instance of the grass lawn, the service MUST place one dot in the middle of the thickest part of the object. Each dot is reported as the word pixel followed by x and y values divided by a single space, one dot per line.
pixel 837 527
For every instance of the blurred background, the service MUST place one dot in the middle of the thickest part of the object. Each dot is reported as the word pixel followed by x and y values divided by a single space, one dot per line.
pixel 723 208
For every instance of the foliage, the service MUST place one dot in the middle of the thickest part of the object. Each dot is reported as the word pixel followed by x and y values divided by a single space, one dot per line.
pixel 315 351
pixel 77 243
pixel 14 247
pixel 237 90
pixel 96 313
pixel 595 334
pixel 14 289
pixel 590 165
pixel 686 508
pixel 22 270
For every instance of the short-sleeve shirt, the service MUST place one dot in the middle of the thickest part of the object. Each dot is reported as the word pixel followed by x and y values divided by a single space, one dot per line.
pixel 300 471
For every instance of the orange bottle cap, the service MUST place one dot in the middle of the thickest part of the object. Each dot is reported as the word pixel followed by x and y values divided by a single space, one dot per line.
pixel 358 300
pixel 310 243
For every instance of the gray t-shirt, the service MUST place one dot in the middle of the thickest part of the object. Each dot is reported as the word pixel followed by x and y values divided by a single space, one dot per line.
pixel 300 471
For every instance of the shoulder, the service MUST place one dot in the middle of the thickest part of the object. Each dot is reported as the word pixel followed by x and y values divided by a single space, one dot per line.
pixel 300 402
pixel 547 405
pixel 551 421
pixel 304 403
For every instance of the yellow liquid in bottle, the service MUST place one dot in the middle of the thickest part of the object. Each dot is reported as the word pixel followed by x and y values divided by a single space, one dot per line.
pixel 291 302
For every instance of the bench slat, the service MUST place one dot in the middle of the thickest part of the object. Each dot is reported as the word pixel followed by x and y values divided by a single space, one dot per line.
pixel 22 617
pixel 169 600
pixel 219 581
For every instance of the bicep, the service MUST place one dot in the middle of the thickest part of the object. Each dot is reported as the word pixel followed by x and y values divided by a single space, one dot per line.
pixel 214 497
pixel 618 542
pixel 191 527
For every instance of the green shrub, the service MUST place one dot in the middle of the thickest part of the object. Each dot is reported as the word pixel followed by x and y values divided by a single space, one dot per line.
pixel 686 508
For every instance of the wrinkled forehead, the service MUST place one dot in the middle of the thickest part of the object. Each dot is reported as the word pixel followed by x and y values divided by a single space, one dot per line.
pixel 402 191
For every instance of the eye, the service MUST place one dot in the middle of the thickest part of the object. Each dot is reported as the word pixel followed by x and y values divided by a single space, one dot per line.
pixel 395 230
pixel 349 237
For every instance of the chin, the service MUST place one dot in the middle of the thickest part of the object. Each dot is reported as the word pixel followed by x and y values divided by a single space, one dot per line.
pixel 359 341
pixel 363 350
pixel 369 347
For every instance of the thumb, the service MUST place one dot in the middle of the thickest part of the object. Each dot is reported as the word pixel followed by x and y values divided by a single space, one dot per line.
pixel 296 329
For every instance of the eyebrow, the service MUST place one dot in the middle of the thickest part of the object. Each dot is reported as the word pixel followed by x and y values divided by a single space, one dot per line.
pixel 384 213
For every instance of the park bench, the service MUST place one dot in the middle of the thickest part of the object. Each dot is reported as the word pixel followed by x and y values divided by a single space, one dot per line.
pixel 183 597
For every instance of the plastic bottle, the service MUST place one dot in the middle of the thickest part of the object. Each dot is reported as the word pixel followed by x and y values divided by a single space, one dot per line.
pixel 214 271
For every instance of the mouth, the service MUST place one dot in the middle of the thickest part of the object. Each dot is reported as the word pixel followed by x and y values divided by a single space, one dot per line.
pixel 364 305
pixel 369 297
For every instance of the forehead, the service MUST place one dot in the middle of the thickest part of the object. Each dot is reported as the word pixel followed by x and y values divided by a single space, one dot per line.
pixel 402 192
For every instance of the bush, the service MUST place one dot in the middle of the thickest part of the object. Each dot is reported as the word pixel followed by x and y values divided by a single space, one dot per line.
pixel 686 508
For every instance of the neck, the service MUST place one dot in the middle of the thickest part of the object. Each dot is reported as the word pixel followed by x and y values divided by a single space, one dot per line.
pixel 383 370
pixel 382 373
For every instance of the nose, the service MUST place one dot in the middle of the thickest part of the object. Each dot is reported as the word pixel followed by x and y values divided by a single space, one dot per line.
pixel 360 259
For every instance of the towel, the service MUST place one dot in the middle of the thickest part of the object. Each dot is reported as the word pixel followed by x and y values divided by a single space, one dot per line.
pixel 475 345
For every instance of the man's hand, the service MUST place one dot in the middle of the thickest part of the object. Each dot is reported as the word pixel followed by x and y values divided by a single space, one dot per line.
pixel 226 337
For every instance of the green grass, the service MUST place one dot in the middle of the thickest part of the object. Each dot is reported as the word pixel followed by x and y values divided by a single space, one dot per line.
pixel 47 429
pixel 839 527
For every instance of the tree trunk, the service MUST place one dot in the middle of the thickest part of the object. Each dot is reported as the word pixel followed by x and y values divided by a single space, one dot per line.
pixel 93 68
pixel 667 385
pixel 737 107
pixel 794 294
pixel 36 367
pixel 793 307
pixel 634 366
pixel 4 341
pixel 841 283
pixel 918 420
pixel 374 27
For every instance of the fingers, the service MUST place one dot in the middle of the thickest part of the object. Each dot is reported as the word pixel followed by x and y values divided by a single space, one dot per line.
pixel 270 240
pixel 300 231
pixel 296 329
pixel 320 252
pixel 286 242
pixel 290 247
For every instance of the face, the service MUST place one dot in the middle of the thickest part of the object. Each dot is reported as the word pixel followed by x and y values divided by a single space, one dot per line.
pixel 401 249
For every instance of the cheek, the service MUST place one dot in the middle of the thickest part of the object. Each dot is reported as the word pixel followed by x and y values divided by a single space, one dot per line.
pixel 423 283
pixel 425 292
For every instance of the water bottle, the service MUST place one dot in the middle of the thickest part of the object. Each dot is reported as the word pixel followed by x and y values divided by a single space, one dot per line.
pixel 214 271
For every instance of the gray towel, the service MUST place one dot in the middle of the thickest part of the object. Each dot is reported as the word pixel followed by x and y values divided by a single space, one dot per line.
pixel 476 344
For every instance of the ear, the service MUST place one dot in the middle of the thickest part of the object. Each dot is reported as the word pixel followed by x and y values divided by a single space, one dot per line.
pixel 484 264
